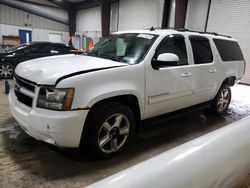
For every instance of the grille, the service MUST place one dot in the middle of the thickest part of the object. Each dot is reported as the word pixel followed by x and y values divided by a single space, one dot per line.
pixel 24 98
pixel 25 83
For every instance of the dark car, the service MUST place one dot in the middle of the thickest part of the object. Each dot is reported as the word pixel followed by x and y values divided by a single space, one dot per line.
pixel 15 55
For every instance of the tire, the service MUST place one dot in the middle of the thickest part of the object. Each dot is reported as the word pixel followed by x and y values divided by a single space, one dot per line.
pixel 109 129
pixel 6 70
pixel 222 100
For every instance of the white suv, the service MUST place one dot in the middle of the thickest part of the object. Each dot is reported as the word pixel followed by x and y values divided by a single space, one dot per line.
pixel 99 98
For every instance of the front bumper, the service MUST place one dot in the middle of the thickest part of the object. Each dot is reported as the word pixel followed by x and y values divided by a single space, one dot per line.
pixel 61 128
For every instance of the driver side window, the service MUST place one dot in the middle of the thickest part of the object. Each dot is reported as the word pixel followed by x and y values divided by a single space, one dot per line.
pixel 174 44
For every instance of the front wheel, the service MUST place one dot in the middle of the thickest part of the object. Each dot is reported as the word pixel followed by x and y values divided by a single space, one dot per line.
pixel 109 130
pixel 6 70
pixel 222 100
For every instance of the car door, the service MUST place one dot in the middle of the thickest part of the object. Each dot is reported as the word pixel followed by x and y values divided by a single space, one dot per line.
pixel 205 69
pixel 169 88
pixel 19 56
pixel 44 49
pixel 37 51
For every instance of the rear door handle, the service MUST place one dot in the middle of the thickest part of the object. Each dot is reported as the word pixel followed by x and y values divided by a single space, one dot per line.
pixel 212 70
pixel 186 74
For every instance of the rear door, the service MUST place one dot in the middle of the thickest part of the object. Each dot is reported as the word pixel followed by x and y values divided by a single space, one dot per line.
pixel 43 50
pixel 205 69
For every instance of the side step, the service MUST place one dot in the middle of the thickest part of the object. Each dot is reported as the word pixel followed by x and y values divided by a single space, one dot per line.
pixel 176 114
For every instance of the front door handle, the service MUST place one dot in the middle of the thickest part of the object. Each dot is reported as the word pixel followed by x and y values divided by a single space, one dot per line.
pixel 212 70
pixel 186 74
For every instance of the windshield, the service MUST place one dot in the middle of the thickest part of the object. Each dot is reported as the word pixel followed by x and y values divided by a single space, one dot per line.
pixel 128 48
pixel 19 47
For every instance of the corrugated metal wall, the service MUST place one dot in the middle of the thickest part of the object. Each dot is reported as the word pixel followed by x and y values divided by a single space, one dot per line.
pixel 37 33
pixel 12 16
pixel 131 16
pixel 140 14
pixel 89 21
pixel 232 18
pixel 196 14
pixel 11 20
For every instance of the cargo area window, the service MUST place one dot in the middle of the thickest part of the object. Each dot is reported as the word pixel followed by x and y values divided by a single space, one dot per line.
pixel 201 50
pixel 228 50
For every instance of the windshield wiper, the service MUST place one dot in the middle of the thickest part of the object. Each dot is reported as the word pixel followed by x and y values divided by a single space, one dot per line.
pixel 107 57
pixel 89 53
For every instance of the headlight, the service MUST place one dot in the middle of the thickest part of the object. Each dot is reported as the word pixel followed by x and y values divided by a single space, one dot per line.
pixel 55 99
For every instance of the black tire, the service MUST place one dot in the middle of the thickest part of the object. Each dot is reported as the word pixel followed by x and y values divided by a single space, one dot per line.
pixel 6 70
pixel 102 130
pixel 220 103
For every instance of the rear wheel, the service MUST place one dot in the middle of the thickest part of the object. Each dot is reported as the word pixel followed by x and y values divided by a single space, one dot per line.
pixel 222 100
pixel 109 129
pixel 6 70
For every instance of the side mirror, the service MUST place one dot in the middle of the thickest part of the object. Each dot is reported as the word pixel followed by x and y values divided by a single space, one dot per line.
pixel 164 60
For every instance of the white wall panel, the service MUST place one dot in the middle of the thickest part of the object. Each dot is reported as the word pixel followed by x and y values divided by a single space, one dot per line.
pixel 114 17
pixel 128 14
pixel 37 34
pixel 196 14
pixel 89 20
pixel 140 14
pixel 232 18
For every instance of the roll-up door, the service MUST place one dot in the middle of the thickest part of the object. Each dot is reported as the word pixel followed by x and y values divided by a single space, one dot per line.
pixel 232 18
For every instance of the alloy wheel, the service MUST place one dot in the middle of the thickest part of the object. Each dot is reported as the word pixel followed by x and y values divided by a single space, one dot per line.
pixel 113 133
pixel 6 70
pixel 223 100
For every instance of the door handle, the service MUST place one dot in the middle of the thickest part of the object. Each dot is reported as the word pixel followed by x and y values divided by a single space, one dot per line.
pixel 186 74
pixel 212 70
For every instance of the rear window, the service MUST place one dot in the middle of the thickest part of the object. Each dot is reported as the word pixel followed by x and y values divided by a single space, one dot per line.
pixel 201 50
pixel 229 50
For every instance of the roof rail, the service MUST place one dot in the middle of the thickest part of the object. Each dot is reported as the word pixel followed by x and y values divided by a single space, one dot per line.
pixel 203 32
pixel 162 28
pixel 184 29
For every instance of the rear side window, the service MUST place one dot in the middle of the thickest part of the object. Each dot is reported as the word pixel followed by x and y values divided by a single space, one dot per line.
pixel 201 50
pixel 228 50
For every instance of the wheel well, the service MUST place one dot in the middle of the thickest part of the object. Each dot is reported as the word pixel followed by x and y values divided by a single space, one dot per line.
pixel 230 81
pixel 130 101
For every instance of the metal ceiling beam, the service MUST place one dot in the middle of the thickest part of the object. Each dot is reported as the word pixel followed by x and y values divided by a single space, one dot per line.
pixel 180 13
pixel 166 14
pixel 40 3
pixel 62 3
pixel 21 6
pixel 70 7
pixel 72 21
pixel 105 17
pixel 86 4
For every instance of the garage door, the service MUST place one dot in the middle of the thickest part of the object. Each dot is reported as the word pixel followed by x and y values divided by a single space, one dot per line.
pixel 232 18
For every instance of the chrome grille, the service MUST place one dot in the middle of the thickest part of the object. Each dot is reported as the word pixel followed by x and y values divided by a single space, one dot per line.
pixel 23 84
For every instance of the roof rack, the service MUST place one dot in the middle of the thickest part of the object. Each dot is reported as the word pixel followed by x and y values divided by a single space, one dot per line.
pixel 203 32
pixel 184 29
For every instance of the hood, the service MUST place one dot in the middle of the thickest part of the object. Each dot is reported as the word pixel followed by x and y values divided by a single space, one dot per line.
pixel 49 69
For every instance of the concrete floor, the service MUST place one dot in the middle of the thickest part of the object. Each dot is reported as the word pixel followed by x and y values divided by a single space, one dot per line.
pixel 26 162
